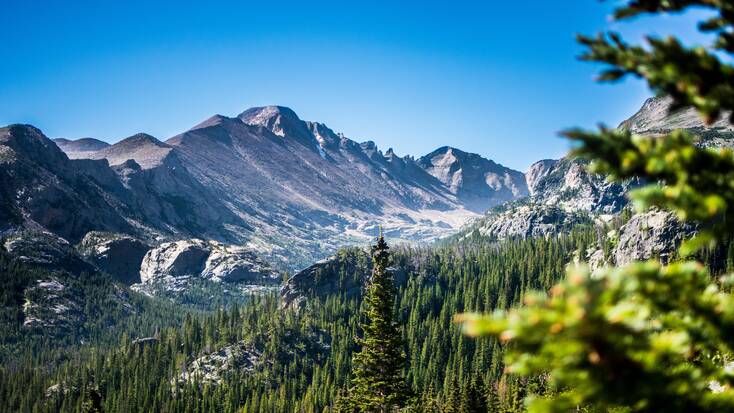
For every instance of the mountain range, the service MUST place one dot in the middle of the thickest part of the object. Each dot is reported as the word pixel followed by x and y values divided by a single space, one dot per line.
pixel 292 190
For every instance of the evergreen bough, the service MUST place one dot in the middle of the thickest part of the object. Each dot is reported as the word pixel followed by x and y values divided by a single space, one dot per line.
pixel 644 337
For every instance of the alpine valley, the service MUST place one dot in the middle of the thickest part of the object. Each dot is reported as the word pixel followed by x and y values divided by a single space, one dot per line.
pixel 222 269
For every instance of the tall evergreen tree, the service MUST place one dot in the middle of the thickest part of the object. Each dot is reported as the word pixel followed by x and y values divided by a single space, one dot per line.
pixel 474 397
pixel 92 402
pixel 378 383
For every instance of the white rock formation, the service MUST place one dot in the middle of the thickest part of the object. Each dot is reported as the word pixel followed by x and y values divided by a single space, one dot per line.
pixel 210 260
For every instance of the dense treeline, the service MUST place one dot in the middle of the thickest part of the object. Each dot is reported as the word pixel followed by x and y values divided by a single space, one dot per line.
pixel 304 356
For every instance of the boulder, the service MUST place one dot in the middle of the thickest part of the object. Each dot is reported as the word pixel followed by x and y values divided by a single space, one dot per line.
pixel 229 263
pixel 210 260
pixel 210 368
pixel 174 259
pixel 653 234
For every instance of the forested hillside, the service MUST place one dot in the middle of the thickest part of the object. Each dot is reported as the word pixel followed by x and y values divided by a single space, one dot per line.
pixel 297 358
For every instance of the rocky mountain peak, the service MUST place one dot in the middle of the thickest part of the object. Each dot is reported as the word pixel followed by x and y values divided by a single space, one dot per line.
pixel 448 156
pixel 140 139
pixel 444 155
pixel 477 181
pixel 323 134
pixel 658 116
pixel 28 142
pixel 280 120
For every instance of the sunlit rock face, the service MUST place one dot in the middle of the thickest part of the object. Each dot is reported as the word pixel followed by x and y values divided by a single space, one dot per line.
pixel 174 263
pixel 653 234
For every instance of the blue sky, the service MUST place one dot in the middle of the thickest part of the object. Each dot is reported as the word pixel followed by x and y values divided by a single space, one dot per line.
pixel 496 78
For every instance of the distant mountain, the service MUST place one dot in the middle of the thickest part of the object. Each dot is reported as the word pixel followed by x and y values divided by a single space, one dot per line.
pixel 477 182
pixel 145 150
pixel 80 148
pixel 291 189
pixel 657 116
pixel 300 184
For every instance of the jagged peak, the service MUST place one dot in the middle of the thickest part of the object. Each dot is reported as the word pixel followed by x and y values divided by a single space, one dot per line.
pixel 280 120
pixel 453 155
pixel 368 145
pixel 323 134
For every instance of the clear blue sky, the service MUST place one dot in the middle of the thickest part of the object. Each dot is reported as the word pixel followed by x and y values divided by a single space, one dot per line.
pixel 496 78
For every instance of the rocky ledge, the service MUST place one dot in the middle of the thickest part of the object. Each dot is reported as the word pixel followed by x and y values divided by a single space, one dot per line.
pixel 652 234
pixel 116 254
pixel 173 264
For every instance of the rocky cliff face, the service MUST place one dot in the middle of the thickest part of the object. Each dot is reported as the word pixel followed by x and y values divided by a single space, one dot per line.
pixel 529 221
pixel 563 194
pixel 653 234
pixel 54 284
pixel 116 254
pixel 40 188
pixel 172 265
pixel 537 172
pixel 568 184
pixel 44 250
pixel 567 187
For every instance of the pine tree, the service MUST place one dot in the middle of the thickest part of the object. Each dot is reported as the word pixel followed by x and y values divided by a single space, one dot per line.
pixel 378 384
pixel 92 402
pixel 474 398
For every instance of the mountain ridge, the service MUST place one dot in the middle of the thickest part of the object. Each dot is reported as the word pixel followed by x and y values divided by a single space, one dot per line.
pixel 291 189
